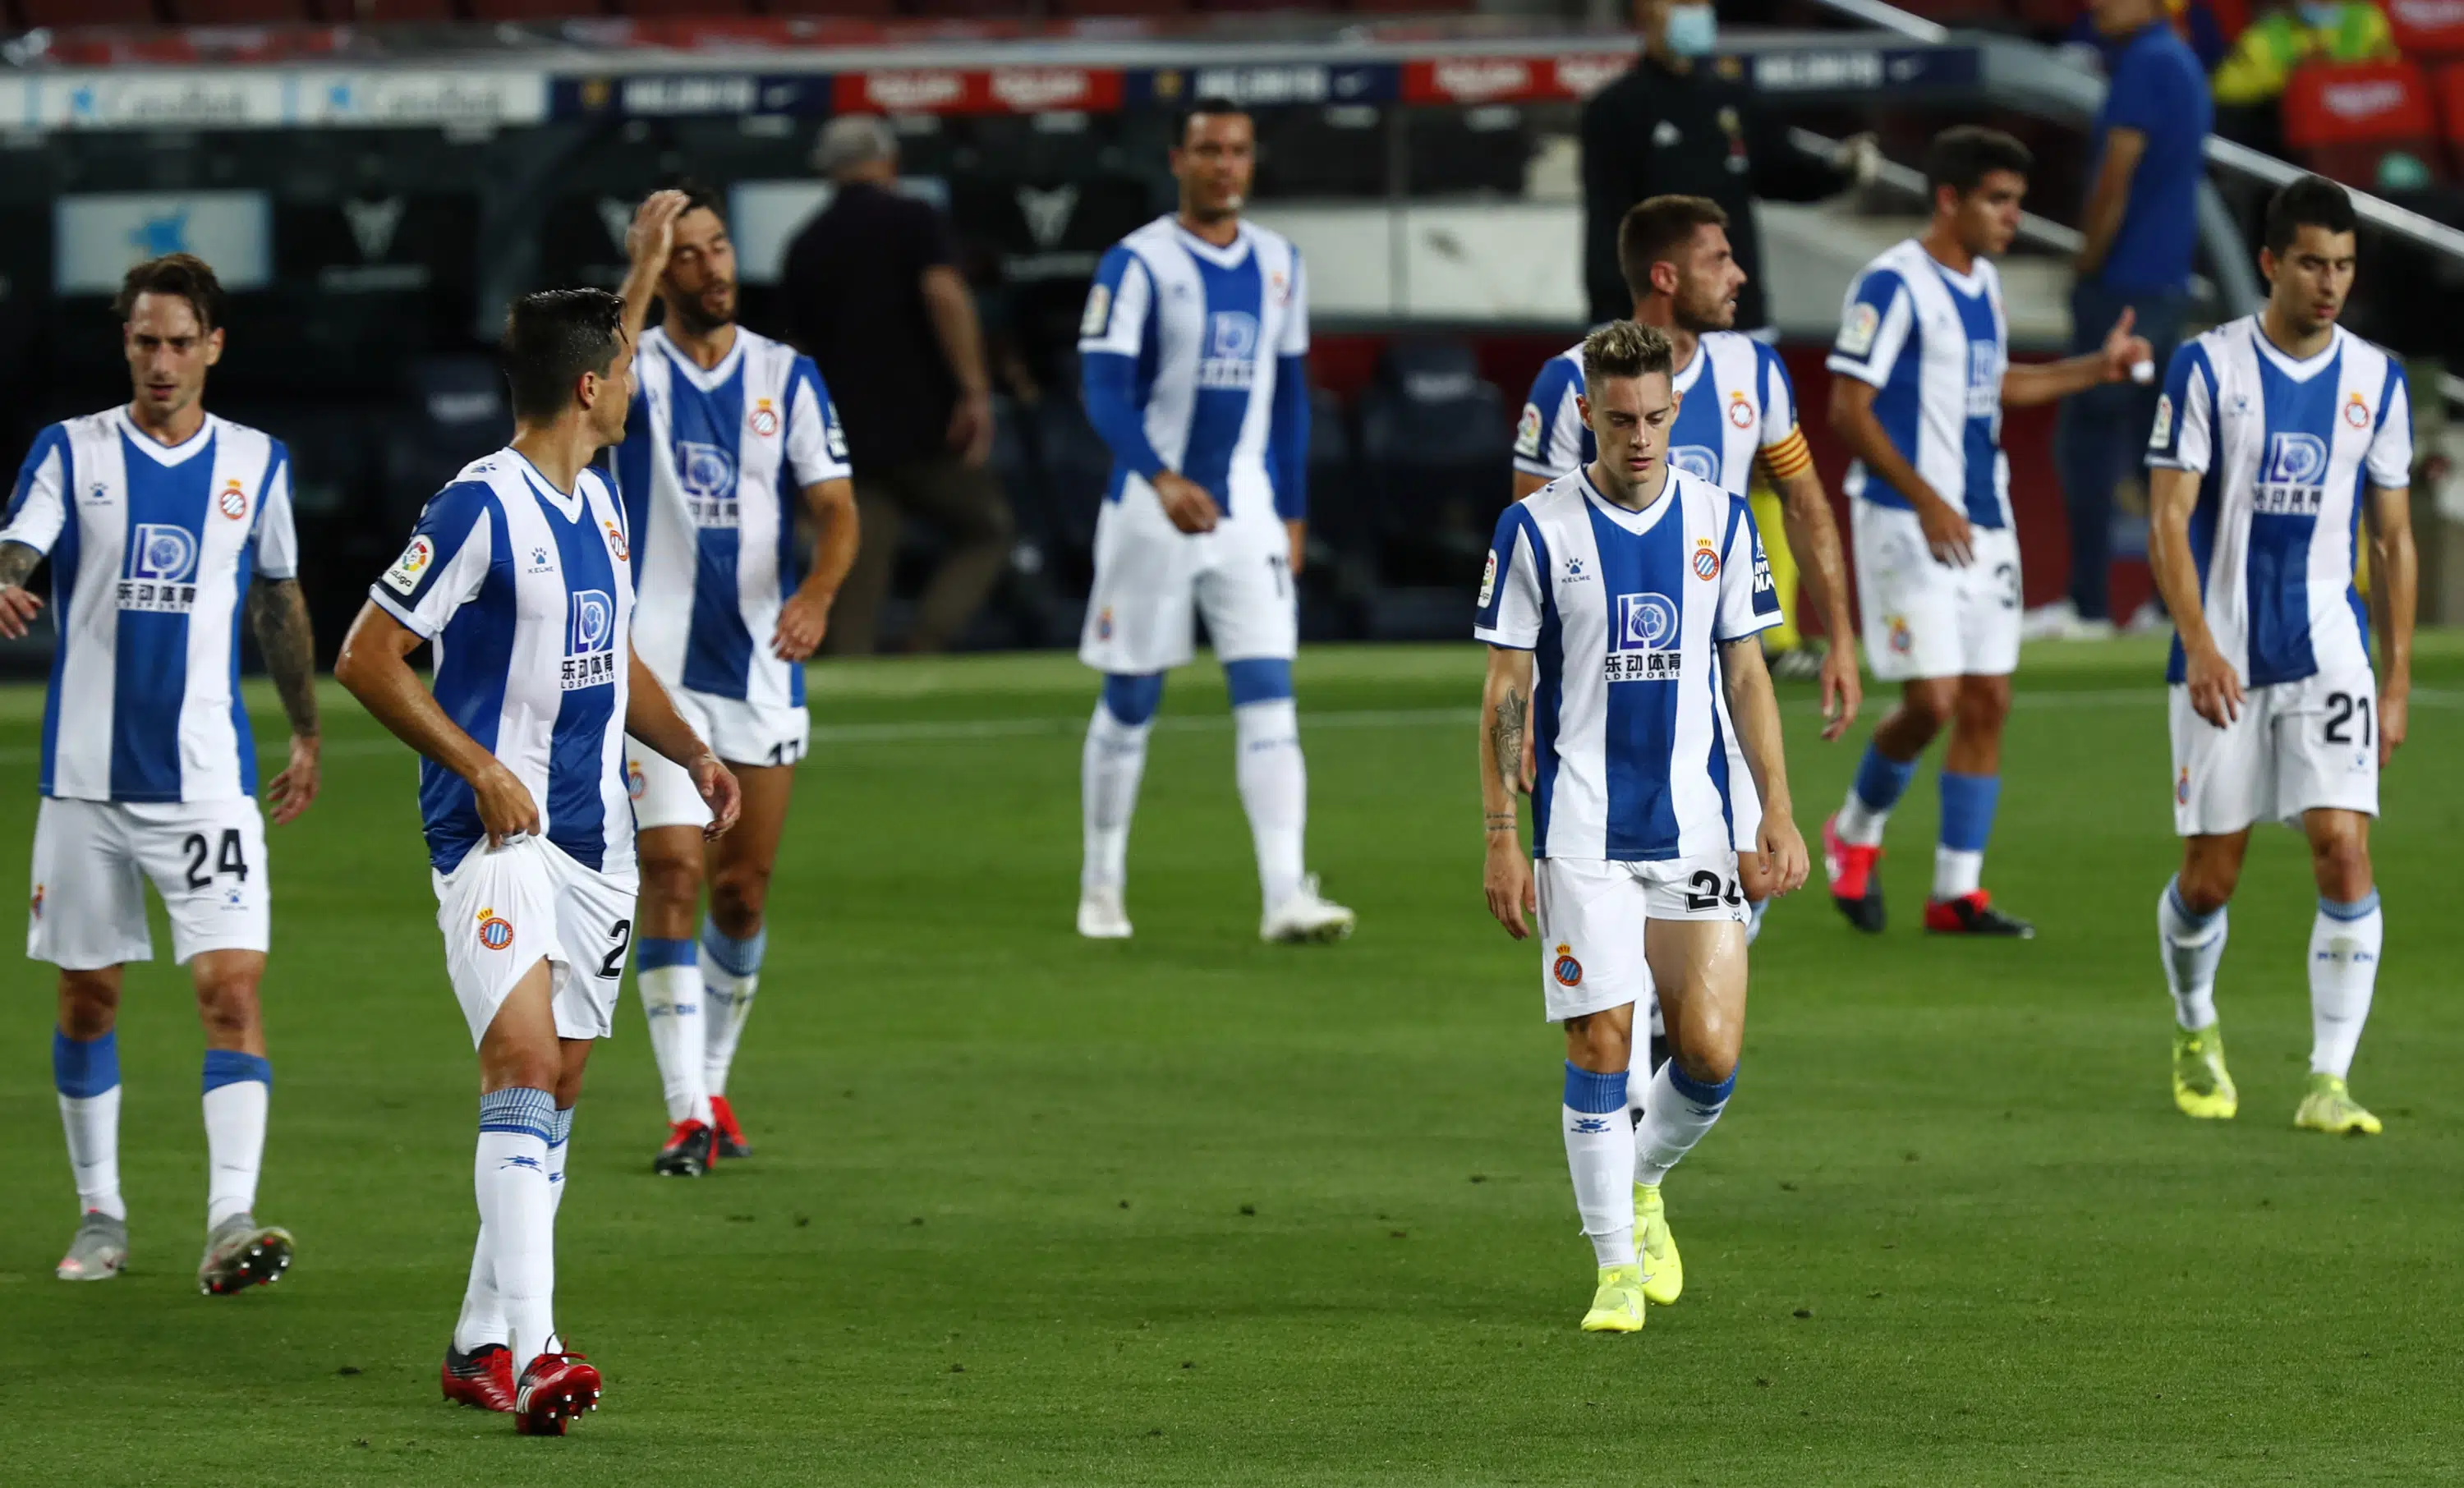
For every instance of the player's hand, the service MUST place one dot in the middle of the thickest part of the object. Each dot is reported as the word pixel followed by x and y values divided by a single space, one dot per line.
pixel 2215 688
pixel 1296 531
pixel 1186 502
pixel 654 229
pixel 2395 711
pixel 506 810
pixel 1507 879
pixel 2123 351
pixel 18 606
pixel 1783 852
pixel 1844 689
pixel 1947 533
pixel 971 426
pixel 719 792
pixel 803 621
pixel 293 790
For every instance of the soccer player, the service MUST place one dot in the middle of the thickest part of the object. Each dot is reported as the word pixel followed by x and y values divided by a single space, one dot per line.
pixel 2269 428
pixel 1194 358
pixel 164 525
pixel 519 576
pixel 1924 357
pixel 1736 414
pixel 730 433
pixel 1608 595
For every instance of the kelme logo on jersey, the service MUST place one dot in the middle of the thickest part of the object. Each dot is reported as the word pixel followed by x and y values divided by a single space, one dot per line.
pixel 1697 461
pixel 1645 646
pixel 591 639
pixel 707 474
pixel 2291 480
pixel 162 571
pixel 1231 359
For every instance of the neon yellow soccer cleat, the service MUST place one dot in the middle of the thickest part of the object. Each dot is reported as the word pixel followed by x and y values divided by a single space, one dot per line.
pixel 1664 1272
pixel 1617 1307
pixel 2331 1108
pixel 2200 1088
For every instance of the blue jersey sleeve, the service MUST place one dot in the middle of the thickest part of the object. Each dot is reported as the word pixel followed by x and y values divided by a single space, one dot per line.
pixel 1548 437
pixel 39 508
pixel 1874 326
pixel 2183 437
pixel 1112 337
pixel 1287 438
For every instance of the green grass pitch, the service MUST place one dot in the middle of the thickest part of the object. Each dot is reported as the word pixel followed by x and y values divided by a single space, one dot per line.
pixel 1194 1210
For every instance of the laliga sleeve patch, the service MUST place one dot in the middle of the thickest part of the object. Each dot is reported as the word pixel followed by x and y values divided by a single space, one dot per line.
pixel 1857 337
pixel 1488 580
pixel 1527 432
pixel 2161 432
pixel 1099 311
pixel 403 577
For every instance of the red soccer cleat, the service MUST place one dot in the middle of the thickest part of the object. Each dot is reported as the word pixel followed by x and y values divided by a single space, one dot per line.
pixel 691 1150
pixel 1974 915
pixel 1854 886
pixel 483 1377
pixel 555 1388
pixel 730 1136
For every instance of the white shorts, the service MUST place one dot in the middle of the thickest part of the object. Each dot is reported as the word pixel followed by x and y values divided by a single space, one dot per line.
pixel 2297 746
pixel 1923 618
pixel 92 859
pixel 1593 916
pixel 739 732
pixel 504 909
pixel 1150 577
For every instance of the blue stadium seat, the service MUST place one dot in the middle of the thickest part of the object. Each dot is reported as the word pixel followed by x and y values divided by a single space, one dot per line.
pixel 1434 462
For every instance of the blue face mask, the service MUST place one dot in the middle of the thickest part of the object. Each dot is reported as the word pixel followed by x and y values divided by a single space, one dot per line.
pixel 2317 16
pixel 1693 30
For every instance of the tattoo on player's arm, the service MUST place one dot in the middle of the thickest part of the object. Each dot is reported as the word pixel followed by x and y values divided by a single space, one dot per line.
pixel 1505 736
pixel 16 561
pixel 278 613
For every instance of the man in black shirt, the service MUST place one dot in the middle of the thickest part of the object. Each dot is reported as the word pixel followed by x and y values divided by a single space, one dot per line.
pixel 875 296
pixel 1684 122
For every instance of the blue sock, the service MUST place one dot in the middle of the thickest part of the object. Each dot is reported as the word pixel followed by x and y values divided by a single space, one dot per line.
pixel 230 1066
pixel 1882 780
pixel 736 958
pixel 1594 1093
pixel 1967 804
pixel 1132 698
pixel 84 1068
pixel 87 1073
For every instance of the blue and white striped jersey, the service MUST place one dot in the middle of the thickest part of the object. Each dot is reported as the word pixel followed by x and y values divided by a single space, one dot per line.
pixel 1623 611
pixel 1735 401
pixel 1191 355
pixel 1935 343
pixel 527 595
pixel 711 470
pixel 2286 448
pixel 152 550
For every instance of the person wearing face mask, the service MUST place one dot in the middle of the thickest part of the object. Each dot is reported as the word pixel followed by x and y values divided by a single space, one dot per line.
pixel 2287 35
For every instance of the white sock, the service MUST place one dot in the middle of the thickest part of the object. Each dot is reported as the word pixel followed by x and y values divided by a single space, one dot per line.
pixel 1599 1154
pixel 1274 791
pixel 730 1000
pixel 1677 1114
pixel 93 1127
pixel 559 1143
pixel 2344 944
pixel 1859 824
pixel 672 1002
pixel 1957 874
pixel 2190 947
pixel 238 1088
pixel 483 1313
pixel 1108 771
pixel 517 1215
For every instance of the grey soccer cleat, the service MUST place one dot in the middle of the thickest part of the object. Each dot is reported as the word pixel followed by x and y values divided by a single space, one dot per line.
pixel 240 1254
pixel 98 1251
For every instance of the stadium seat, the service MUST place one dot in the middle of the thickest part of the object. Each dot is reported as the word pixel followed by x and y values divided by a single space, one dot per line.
pixel 393 12
pixel 241 12
pixel 2428 28
pixel 854 10
pixel 1089 8
pixel 87 12
pixel 2448 85
pixel 2347 121
pixel 535 10
pixel 1434 458
pixel 663 8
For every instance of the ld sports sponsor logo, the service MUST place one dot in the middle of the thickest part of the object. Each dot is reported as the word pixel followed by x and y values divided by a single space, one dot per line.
pixel 1644 649
pixel 591 639
pixel 161 575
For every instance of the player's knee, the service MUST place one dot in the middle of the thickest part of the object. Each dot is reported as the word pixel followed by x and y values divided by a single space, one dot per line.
pixel 1983 703
pixel 671 878
pixel 88 1003
pixel 1710 1065
pixel 2342 865
pixel 1931 704
pixel 1132 698
pixel 739 893
pixel 227 1003
pixel 1598 1043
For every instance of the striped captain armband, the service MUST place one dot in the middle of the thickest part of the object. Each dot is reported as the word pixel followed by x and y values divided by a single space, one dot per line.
pixel 1788 458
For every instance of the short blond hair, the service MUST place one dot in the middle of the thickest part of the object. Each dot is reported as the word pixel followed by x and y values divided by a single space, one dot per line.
pixel 1622 348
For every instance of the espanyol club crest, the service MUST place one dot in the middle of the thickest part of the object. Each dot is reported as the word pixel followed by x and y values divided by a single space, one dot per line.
pixel 233 501
pixel 765 419
pixel 36 907
pixel 1741 412
pixel 2182 788
pixel 1707 559
pixel 1568 971
pixel 496 931
pixel 2357 413
pixel 634 782
pixel 616 542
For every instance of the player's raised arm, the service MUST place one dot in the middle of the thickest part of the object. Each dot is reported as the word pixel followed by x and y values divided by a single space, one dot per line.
pixel 374 667
pixel 2117 360
pixel 646 243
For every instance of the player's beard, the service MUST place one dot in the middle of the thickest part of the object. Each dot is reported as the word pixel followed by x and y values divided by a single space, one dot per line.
pixel 697 321
pixel 1700 319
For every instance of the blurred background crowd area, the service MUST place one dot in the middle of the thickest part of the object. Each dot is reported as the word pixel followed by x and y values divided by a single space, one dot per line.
pixel 376 179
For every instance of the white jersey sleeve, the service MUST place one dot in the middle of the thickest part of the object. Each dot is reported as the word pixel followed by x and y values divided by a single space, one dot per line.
pixel 1748 600
pixel 1511 605
pixel 816 445
pixel 1295 339
pixel 277 538
pixel 1873 327
pixel 38 509
pixel 1779 398
pixel 446 563
pixel 2183 437
pixel 2390 458
pixel 1115 318
pixel 1548 437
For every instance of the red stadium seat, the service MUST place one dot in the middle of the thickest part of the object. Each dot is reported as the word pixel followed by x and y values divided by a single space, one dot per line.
pixel 649 9
pixel 239 13
pixel 1408 7
pixel 1080 9
pixel 2450 86
pixel 856 10
pixel 390 12
pixel 88 12
pixel 2428 28
pixel 535 10
pixel 2342 120
pixel 967 9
